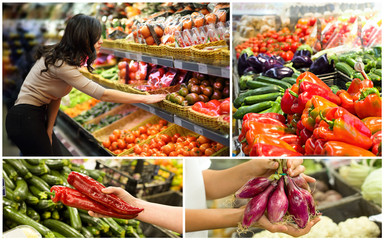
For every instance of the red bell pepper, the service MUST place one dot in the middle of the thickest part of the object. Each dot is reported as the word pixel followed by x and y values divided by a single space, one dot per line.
pixel 368 103
pixel 313 107
pixel 312 78
pixel 92 188
pixel 357 85
pixel 252 124
pixel 257 116
pixel 73 198
pixel 377 141
pixel 344 128
pixel 294 141
pixel 373 123
pixel 289 97
pixel 336 148
pixel 304 135
pixel 346 101
pixel 268 129
pixel 266 150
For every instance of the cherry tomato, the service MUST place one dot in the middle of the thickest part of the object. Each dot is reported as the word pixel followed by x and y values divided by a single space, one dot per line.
pixel 121 143
pixel 107 143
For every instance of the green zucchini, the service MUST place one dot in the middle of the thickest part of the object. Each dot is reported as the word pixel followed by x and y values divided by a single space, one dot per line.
pixel 289 80
pixel 273 81
pixel 55 215
pixel 33 161
pixel 10 203
pixel 58 235
pixel 377 72
pixel 37 170
pixel 59 175
pixel 21 190
pixel 66 170
pixel 31 199
pixel 20 168
pixel 78 169
pixel 86 233
pixel 256 84
pixel 351 62
pixel 261 98
pixel 39 183
pixel 345 68
pixel 8 182
pixel 9 194
pixel 51 179
pixel 11 172
pixel 296 75
pixel 46 215
pixel 37 192
pixel 121 221
pixel 97 222
pixel 33 214
pixel 255 108
pixel 95 174
pixel 116 229
pixel 23 208
pixel 22 219
pixel 74 218
pixel 93 230
pixel 62 228
pixel 271 89
pixel 45 205
pixel 56 164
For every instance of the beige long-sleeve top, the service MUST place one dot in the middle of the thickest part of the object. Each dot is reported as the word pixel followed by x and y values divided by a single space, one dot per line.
pixel 41 88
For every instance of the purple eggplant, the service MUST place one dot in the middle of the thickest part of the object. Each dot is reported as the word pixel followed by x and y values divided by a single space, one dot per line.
pixel 256 206
pixel 271 63
pixel 310 201
pixel 277 203
pixel 300 182
pixel 258 62
pixel 298 206
pixel 322 65
pixel 301 59
pixel 242 62
pixel 279 72
pixel 253 187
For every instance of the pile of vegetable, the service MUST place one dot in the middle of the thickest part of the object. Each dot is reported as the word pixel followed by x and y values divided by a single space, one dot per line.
pixel 28 183
pixel 75 97
pixel 97 110
pixel 92 127
pixel 283 198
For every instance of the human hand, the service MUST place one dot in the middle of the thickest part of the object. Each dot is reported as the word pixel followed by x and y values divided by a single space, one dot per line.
pixel 296 168
pixel 154 98
pixel 49 133
pixel 263 167
pixel 286 228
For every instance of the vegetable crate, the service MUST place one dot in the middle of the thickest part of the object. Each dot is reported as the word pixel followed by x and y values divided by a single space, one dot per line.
pixel 138 177
pixel 335 78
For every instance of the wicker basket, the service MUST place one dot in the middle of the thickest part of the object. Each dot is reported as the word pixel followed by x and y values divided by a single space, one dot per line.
pixel 108 43
pixel 212 57
pixel 225 57
pixel 210 122
pixel 155 50
pixel 137 47
pixel 224 125
pixel 178 52
pixel 103 81
pixel 182 111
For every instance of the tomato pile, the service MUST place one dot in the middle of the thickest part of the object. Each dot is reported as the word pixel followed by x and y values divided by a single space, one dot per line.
pixel 164 145
pixel 212 108
pixel 120 141
pixel 282 43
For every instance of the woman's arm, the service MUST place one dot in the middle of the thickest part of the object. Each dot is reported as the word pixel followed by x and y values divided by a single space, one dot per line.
pixel 205 219
pixel 52 111
pixel 111 95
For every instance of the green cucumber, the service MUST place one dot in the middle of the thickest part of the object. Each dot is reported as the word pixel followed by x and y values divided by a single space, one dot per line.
pixel 273 81
pixel 22 219
pixel 45 205
pixel 46 215
pixel 31 199
pixel 51 179
pixel 8 182
pixel 97 222
pixel 62 228
pixel 9 194
pixel 36 169
pixel 10 203
pixel 115 227
pixel 78 169
pixel 345 68
pixel 74 218
pixel 261 98
pixel 23 208
pixel 121 221
pixel 256 84
pixel 33 214
pixel 59 175
pixel 58 235
pixel 377 72
pixel 351 62
pixel 21 190
pixel 87 233
pixel 289 80
pixel 93 230
pixel 255 108
pixel 11 172
pixel 271 89
pixel 39 183
pixel 33 161
pixel 20 168
pixel 296 75
pixel 37 192
pixel 56 164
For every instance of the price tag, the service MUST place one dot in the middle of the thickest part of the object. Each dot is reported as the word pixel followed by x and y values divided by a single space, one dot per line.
pixel 128 55
pixel 225 72
pixel 198 130
pixel 139 57
pixel 155 61
pixel 203 68
pixel 177 121
pixel 178 64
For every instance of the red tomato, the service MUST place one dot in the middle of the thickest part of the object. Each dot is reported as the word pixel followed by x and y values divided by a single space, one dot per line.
pixel 289 55
pixel 224 108
pixel 133 66
pixel 107 143
pixel 121 143
pixel 213 104
pixel 198 106
pixel 122 65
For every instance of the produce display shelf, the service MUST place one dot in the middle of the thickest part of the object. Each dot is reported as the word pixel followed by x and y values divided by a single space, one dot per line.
pixel 217 71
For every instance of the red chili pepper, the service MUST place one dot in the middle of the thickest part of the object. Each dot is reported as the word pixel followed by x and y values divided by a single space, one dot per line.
pixel 267 150
pixel 92 188
pixel 73 198
pixel 336 148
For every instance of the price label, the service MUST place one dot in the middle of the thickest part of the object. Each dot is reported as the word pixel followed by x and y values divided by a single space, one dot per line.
pixel 198 130
pixel 203 68
pixel 225 72
pixel 139 57
pixel 178 64
pixel 155 61
pixel 128 55
pixel 177 121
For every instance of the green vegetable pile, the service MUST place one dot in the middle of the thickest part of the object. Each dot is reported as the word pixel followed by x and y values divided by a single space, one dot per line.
pixel 73 98
pixel 111 73
pixel 92 127
pixel 26 202
pixel 97 110
pixel 355 173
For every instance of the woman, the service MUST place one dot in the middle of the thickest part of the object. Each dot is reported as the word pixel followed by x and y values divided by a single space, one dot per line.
pixel 30 121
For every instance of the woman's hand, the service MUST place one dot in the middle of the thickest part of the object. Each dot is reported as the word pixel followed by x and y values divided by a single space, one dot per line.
pixel 286 228
pixel 295 168
pixel 154 98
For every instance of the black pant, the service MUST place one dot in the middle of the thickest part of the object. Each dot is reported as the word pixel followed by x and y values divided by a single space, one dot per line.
pixel 26 126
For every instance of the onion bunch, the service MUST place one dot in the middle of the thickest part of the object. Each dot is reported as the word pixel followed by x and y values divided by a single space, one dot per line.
pixel 281 197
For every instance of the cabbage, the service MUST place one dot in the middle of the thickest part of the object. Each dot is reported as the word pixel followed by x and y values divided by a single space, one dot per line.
pixel 371 188
pixel 356 172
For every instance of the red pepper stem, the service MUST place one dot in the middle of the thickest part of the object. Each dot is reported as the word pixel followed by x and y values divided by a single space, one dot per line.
pixel 329 122
pixel 368 91
pixel 50 193
pixel 293 93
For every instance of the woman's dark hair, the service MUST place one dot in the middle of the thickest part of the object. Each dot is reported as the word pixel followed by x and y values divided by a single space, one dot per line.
pixel 77 45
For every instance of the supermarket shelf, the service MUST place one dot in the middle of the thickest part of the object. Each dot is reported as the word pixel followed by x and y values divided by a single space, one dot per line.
pixel 217 71
pixel 213 135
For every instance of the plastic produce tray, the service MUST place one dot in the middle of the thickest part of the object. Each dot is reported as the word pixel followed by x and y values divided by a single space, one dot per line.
pixel 137 178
